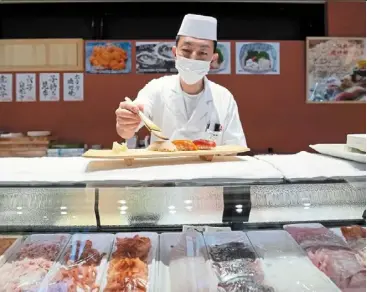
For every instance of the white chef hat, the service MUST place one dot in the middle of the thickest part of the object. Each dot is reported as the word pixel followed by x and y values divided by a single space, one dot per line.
pixel 199 26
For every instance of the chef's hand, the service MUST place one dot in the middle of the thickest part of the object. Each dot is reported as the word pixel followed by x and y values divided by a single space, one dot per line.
pixel 127 119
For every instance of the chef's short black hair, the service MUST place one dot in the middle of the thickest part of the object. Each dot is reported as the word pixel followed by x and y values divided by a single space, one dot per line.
pixel 215 42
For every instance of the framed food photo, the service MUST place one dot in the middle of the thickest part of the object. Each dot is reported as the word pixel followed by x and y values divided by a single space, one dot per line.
pixel 108 57
pixel 335 70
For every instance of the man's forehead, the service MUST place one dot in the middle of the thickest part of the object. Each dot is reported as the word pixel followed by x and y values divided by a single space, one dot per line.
pixel 190 41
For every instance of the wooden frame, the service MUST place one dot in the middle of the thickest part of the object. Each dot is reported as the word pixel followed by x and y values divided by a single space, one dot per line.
pixel 308 85
pixel 44 53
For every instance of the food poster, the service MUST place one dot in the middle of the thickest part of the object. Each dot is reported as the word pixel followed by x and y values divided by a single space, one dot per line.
pixel 49 87
pixel 223 64
pixel 155 57
pixel 25 87
pixel 108 57
pixel 336 70
pixel 6 87
pixel 257 58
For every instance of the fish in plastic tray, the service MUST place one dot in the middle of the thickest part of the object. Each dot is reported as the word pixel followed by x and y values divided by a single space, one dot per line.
pixel 244 285
pixel 231 251
pixel 232 269
pixel 356 238
pixel 131 266
pixel 341 266
pixel 81 265
pixel 315 237
pixel 27 268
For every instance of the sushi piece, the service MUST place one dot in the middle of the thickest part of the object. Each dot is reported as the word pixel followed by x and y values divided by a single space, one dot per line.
pixel 185 145
pixel 162 146
pixel 203 144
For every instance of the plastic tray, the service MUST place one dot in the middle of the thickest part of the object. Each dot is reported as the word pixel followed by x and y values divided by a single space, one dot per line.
pixel 151 260
pixel 101 242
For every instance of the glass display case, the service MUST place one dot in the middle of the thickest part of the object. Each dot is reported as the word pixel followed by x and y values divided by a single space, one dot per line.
pixel 182 237
pixel 167 207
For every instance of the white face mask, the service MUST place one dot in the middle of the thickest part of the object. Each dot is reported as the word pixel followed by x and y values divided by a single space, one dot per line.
pixel 191 71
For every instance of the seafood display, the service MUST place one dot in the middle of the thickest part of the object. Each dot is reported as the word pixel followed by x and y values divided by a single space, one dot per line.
pixel 128 267
pixel 331 255
pixel 82 262
pixel 235 263
pixel 28 267
pixel 356 238
pixel 220 261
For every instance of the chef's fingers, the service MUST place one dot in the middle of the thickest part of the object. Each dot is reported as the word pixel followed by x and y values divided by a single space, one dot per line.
pixel 127 127
pixel 125 132
pixel 126 114
pixel 129 106
pixel 122 121
pixel 141 107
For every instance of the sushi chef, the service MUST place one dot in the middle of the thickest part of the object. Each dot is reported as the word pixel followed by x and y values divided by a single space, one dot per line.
pixel 187 105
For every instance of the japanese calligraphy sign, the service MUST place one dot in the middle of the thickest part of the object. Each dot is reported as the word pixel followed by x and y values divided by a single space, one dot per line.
pixel 73 86
pixel 49 88
pixel 26 87
pixel 6 87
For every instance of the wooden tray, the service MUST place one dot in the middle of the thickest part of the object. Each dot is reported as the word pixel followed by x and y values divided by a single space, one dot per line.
pixel 132 154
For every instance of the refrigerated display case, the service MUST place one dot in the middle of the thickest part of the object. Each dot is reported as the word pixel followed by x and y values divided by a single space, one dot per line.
pixel 246 232
pixel 168 206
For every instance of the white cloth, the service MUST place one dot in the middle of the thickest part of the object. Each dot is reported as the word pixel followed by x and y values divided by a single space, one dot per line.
pixel 262 168
pixel 83 170
pixel 199 26
pixel 315 167
pixel 164 103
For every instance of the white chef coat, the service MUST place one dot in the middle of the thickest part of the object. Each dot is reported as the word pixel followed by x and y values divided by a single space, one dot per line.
pixel 163 101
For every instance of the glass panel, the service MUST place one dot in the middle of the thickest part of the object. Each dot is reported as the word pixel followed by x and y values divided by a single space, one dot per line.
pixel 305 202
pixel 24 207
pixel 161 206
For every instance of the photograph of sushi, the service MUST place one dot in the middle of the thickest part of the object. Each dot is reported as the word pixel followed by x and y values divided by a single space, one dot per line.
pixel 155 57
pixel 222 65
pixel 257 58
pixel 336 70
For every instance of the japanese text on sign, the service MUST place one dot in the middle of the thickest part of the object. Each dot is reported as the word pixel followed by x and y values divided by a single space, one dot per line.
pixel 25 89
pixel 73 86
pixel 6 82
pixel 49 87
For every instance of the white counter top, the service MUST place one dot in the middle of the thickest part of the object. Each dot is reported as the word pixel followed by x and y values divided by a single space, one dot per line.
pixel 316 167
pixel 95 171
pixel 262 169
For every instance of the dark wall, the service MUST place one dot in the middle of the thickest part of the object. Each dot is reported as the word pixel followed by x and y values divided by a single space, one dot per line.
pixel 160 20
pixel 272 108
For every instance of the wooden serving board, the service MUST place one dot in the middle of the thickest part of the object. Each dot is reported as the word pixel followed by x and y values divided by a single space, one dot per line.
pixel 132 154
